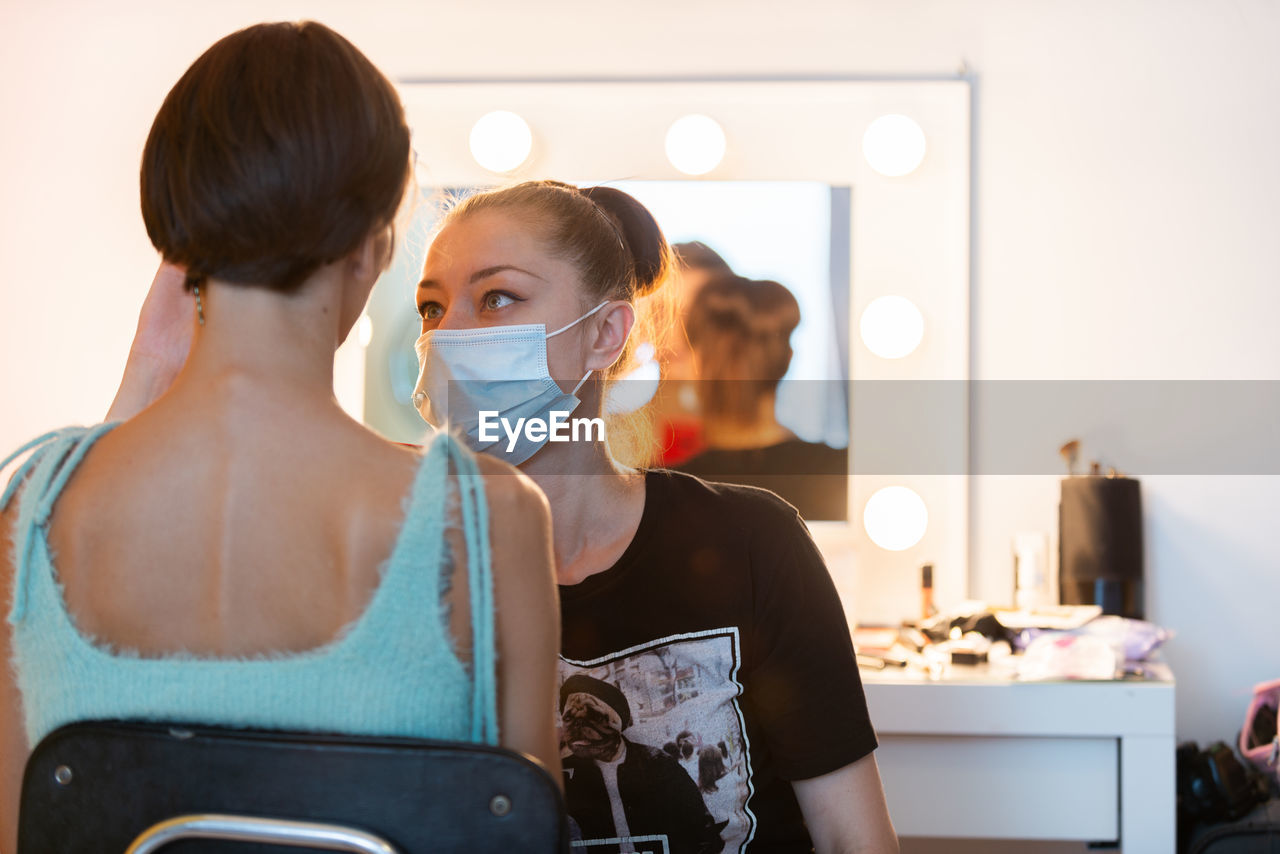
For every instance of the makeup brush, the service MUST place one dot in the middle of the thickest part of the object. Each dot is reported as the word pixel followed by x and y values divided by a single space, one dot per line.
pixel 1070 452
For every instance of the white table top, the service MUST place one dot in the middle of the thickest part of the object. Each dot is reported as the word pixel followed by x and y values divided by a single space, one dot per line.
pixel 975 700
pixel 1153 672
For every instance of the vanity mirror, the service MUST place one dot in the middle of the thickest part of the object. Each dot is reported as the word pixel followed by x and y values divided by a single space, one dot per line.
pixel 853 194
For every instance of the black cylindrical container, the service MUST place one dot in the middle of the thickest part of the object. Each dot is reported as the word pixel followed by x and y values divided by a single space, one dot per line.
pixel 1100 544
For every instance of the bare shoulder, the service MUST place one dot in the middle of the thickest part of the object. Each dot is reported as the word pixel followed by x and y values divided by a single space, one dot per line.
pixel 8 532
pixel 389 465
pixel 527 611
pixel 510 491
pixel 8 521
pixel 519 530
pixel 13 737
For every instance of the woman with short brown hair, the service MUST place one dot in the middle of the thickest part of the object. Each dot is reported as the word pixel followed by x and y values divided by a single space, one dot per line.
pixel 241 552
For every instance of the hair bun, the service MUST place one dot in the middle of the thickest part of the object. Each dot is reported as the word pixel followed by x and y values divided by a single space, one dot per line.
pixel 741 329
pixel 651 258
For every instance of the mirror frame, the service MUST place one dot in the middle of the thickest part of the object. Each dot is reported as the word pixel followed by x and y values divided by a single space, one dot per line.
pixel 910 236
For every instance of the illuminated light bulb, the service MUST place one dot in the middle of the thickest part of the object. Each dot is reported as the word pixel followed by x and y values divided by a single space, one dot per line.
pixel 501 141
pixel 364 330
pixel 895 518
pixel 891 327
pixel 894 145
pixel 695 144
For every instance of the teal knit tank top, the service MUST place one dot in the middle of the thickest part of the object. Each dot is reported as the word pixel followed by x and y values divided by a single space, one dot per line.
pixel 391 672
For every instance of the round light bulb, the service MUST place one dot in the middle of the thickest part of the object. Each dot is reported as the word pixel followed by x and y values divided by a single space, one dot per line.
pixel 695 144
pixel 501 141
pixel 891 327
pixel 895 518
pixel 894 145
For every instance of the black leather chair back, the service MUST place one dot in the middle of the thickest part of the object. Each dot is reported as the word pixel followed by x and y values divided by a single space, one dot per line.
pixel 105 786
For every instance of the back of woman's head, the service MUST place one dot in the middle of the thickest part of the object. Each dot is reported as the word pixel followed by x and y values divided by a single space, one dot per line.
pixel 279 150
pixel 740 331
pixel 696 255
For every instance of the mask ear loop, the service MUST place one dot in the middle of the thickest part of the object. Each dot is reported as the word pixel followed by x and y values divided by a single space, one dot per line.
pixel 582 381
pixel 574 323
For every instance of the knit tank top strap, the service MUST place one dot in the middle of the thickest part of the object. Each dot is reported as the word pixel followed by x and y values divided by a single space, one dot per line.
pixel 42 478
pixel 475 530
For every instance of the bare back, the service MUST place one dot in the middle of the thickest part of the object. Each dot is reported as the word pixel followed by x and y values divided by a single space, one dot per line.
pixel 228 536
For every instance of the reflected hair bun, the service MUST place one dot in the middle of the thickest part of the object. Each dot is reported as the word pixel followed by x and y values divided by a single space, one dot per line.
pixel 741 328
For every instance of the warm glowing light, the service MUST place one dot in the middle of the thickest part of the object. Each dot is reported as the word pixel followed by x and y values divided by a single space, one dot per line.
pixel 894 145
pixel 637 387
pixel 895 518
pixel 891 327
pixel 501 141
pixel 695 144
pixel 364 330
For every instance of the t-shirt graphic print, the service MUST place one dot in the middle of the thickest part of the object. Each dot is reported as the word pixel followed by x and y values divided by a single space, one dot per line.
pixel 654 747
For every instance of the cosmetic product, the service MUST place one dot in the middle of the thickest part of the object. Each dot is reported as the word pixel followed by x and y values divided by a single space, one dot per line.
pixel 1031 588
pixel 927 608
pixel 1070 453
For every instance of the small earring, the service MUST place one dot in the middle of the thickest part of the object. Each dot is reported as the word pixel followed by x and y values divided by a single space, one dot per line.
pixel 199 305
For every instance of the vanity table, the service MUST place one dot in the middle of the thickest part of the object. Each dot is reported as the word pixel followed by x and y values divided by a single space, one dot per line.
pixel 978 755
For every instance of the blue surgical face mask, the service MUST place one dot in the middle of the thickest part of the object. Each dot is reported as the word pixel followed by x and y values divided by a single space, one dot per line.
pixel 501 369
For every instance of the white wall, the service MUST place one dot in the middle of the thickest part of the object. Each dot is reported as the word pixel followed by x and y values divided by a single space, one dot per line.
pixel 1127 202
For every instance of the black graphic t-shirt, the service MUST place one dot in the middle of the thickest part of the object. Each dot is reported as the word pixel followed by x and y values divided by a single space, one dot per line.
pixel 702 673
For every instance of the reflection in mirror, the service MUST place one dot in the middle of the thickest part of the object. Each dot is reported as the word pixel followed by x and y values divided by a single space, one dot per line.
pixel 758 395
pixel 910 228
pixel 753 387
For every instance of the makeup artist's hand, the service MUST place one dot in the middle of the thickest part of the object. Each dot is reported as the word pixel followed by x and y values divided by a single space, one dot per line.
pixel 160 346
